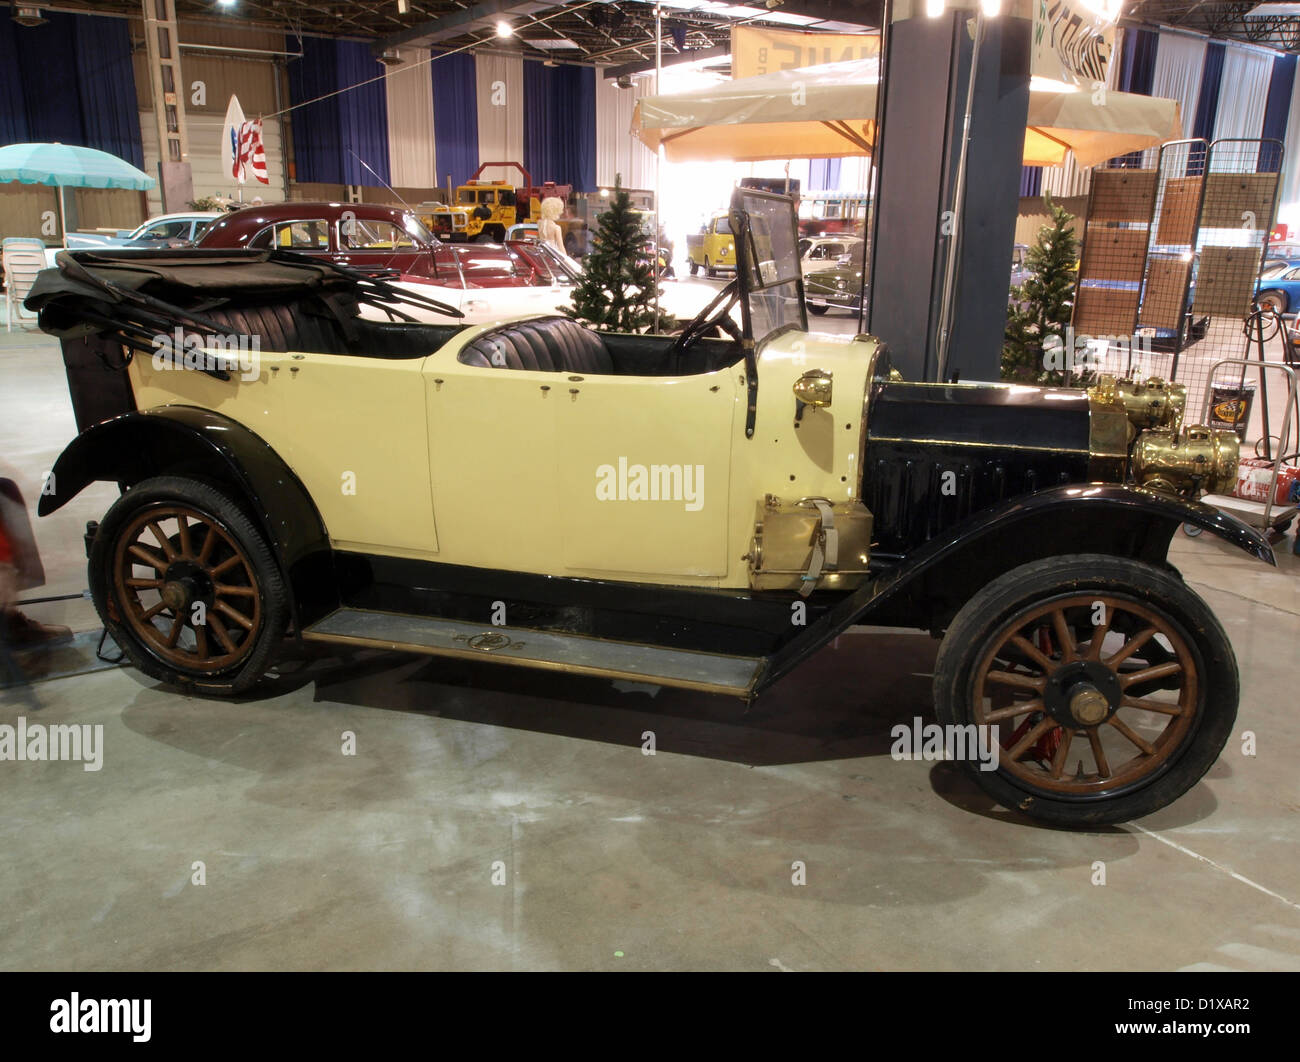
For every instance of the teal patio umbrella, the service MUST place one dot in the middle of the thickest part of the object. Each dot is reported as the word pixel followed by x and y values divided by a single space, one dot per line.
pixel 69 166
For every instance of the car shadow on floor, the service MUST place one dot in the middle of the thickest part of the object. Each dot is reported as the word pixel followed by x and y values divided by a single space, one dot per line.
pixel 841 704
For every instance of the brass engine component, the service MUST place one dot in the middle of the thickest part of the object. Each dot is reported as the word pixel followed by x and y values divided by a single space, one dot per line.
pixel 786 534
pixel 814 388
pixel 1201 459
pixel 1150 403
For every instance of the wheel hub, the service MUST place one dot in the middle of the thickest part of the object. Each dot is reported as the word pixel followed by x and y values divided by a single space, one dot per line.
pixel 184 583
pixel 1082 693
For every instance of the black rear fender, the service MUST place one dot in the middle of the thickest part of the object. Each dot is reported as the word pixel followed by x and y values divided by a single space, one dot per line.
pixel 201 444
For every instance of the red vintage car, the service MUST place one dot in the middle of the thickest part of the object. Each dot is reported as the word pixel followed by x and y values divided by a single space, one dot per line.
pixel 380 240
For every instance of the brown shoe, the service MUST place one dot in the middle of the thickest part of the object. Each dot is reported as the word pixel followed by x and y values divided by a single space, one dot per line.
pixel 24 633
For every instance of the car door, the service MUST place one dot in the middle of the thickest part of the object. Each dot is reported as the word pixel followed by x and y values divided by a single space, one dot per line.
pixel 643 465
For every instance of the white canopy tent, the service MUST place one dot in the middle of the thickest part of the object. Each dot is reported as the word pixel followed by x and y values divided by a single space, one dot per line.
pixel 829 112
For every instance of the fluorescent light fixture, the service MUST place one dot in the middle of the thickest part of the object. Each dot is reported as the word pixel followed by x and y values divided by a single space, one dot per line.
pixel 504 29
pixel 556 45
pixel 934 8
pixel 1274 11
pixel 403 6
pixel 991 8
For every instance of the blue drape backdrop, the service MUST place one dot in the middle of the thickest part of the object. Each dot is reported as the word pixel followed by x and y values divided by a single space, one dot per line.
pixel 1137 68
pixel 70 80
pixel 560 124
pixel 325 133
pixel 824 175
pixel 455 118
pixel 1031 180
pixel 1275 111
pixel 1207 104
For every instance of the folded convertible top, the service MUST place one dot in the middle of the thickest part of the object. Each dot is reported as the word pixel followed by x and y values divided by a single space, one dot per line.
pixel 137 293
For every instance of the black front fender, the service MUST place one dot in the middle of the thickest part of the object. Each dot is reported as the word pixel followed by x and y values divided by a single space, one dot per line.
pixel 185 440
pixel 927 587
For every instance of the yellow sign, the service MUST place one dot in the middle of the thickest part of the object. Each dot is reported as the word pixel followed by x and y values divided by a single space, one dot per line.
pixel 757 51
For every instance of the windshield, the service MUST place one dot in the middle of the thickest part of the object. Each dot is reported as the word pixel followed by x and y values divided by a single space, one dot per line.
pixel 416 228
pixel 769 260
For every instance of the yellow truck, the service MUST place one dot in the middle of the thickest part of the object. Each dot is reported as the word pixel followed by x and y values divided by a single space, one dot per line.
pixel 713 247
pixel 486 210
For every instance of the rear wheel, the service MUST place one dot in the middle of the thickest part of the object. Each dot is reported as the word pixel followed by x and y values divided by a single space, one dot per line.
pixel 813 308
pixel 1273 300
pixel 1112 687
pixel 187 586
pixel 695 267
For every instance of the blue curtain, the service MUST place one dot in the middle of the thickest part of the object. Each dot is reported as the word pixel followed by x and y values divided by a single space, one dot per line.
pixel 328 131
pixel 1031 181
pixel 455 117
pixel 70 80
pixel 824 175
pixel 1207 104
pixel 1275 112
pixel 560 124
pixel 1137 68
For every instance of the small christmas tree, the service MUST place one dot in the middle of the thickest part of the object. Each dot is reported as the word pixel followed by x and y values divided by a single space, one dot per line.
pixel 1041 307
pixel 618 286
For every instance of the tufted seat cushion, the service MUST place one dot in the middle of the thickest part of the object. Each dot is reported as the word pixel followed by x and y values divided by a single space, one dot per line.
pixel 282 327
pixel 546 344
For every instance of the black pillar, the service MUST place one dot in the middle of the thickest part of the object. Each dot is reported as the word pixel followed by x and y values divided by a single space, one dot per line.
pixel 925 98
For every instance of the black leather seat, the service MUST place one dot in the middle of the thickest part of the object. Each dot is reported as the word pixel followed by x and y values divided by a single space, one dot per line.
pixel 546 344
pixel 283 327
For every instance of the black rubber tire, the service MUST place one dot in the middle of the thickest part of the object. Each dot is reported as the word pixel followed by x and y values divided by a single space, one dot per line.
pixel 709 271
pixel 1158 589
pixel 234 521
pixel 816 310
pixel 695 268
pixel 1275 296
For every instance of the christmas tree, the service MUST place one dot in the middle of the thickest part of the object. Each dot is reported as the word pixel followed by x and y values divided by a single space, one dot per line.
pixel 618 286
pixel 1035 348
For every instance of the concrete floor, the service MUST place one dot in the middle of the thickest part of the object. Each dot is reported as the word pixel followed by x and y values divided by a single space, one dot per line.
pixel 610 859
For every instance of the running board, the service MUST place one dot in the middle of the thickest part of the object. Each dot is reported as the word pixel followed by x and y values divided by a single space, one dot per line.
pixel 546 650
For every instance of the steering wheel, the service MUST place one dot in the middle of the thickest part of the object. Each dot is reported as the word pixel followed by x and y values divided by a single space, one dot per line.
pixel 717 314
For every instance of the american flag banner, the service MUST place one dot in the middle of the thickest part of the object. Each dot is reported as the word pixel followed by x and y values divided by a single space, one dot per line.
pixel 250 153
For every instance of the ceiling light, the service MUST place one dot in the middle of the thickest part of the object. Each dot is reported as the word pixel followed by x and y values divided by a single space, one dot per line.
pixel 991 8
pixel 504 30
pixel 934 8
pixel 26 15
pixel 1274 11
pixel 391 57
pixel 403 6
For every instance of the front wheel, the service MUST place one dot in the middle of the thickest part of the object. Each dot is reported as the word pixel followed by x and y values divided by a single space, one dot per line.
pixel 695 267
pixel 709 271
pixel 813 308
pixel 187 586
pixel 1105 687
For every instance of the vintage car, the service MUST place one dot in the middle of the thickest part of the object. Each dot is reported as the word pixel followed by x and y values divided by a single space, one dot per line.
pixel 713 248
pixel 1278 287
pixel 835 285
pixel 819 252
pixel 706 510
pixel 165 230
pixel 375 239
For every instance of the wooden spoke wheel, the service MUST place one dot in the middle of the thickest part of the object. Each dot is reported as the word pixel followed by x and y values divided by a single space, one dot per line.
pixel 1106 686
pixel 187 586
pixel 1089 693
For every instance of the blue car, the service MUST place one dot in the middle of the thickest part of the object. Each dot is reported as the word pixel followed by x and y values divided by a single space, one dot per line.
pixel 1278 287
pixel 166 230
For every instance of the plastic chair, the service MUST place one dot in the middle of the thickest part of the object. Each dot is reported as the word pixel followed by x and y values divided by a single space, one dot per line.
pixel 22 258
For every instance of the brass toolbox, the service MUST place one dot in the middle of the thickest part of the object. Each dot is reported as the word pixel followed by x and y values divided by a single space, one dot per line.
pixel 790 543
